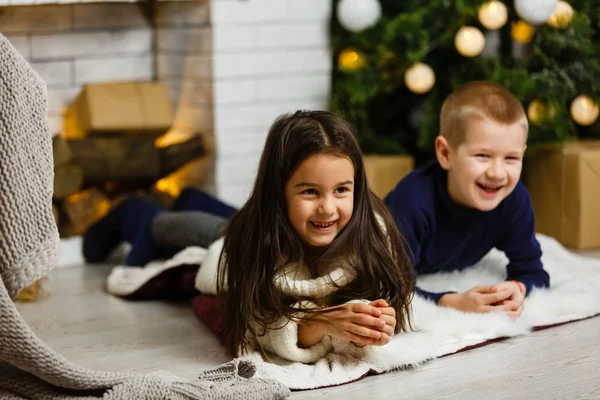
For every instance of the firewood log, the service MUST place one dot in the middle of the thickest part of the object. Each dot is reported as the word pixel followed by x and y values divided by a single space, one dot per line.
pixel 67 180
pixel 61 151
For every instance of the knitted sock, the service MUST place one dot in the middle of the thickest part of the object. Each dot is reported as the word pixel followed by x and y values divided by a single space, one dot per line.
pixel 192 199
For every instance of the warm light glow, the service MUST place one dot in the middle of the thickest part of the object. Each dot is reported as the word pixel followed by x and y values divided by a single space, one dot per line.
pixel 522 32
pixel 584 110
pixel 171 137
pixel 419 78
pixel 100 204
pixel 469 41
pixel 493 15
pixel 562 15
pixel 169 186
pixel 536 112
pixel 74 198
pixel 351 60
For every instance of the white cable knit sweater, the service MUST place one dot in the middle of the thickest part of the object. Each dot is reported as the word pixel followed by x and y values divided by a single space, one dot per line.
pixel 293 279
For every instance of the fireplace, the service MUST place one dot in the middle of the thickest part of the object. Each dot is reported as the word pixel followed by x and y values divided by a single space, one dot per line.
pixel 230 66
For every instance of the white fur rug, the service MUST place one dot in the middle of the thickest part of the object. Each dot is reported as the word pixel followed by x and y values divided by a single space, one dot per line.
pixel 574 294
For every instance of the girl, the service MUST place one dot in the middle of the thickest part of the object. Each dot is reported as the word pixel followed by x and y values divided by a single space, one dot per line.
pixel 298 262
pixel 310 240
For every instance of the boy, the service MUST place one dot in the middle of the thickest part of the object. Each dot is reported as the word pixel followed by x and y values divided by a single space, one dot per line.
pixel 455 210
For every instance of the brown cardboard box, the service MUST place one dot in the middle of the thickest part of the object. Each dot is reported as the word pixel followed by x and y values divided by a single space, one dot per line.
pixel 564 184
pixel 131 108
pixel 385 171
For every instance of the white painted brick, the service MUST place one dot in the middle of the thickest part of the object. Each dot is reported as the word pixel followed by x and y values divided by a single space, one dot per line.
pixel 238 91
pixel 235 194
pixel 187 13
pixel 54 72
pixel 193 119
pixel 229 37
pixel 22 44
pixel 293 35
pixel 228 118
pixel 231 169
pixel 245 116
pixel 111 15
pixel 294 87
pixel 35 19
pixel 248 11
pixel 185 40
pixel 97 43
pixel 270 62
pixel 113 69
pixel 191 66
pixel 251 141
pixel 59 99
pixel 311 10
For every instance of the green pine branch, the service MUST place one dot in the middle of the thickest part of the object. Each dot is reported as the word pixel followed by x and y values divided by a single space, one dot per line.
pixel 560 64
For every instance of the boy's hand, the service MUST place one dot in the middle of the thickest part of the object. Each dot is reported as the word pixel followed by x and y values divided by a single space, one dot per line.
pixel 480 299
pixel 516 302
pixel 356 322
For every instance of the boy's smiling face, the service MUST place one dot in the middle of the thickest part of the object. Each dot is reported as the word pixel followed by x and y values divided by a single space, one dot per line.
pixel 485 168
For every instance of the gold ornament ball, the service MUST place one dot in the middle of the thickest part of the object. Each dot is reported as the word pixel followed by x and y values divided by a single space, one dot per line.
pixel 493 15
pixel 536 112
pixel 522 32
pixel 583 110
pixel 351 60
pixel 469 41
pixel 562 15
pixel 419 78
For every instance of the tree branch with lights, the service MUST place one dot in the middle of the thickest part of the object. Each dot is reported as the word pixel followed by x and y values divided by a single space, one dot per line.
pixel 396 61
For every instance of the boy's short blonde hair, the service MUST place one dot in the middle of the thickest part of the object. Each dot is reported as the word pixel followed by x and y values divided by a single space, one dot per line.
pixel 481 100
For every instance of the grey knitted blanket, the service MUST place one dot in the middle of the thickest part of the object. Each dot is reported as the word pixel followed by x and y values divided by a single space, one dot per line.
pixel 29 368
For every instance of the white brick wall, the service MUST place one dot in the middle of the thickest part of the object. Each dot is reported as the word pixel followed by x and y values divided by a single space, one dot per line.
pixel 269 57
pixel 92 44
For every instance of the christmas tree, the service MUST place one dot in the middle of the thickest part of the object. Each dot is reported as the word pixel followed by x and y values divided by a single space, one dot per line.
pixel 396 61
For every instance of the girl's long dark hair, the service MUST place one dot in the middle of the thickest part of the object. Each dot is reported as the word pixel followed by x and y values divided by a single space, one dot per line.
pixel 259 238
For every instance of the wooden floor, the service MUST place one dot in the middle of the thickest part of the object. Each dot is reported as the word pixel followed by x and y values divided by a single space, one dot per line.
pixel 96 330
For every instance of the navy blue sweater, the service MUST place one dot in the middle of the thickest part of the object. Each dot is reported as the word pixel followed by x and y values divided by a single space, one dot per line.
pixel 443 236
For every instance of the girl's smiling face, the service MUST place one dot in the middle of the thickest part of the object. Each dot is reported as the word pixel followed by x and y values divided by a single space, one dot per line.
pixel 320 198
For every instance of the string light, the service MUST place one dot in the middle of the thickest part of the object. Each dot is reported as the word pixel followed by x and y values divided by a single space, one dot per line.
pixel 562 15
pixel 350 60
pixel 583 110
pixel 493 15
pixel 522 32
pixel 469 41
pixel 419 78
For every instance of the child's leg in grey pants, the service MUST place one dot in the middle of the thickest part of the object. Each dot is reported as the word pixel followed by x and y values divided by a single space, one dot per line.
pixel 187 228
